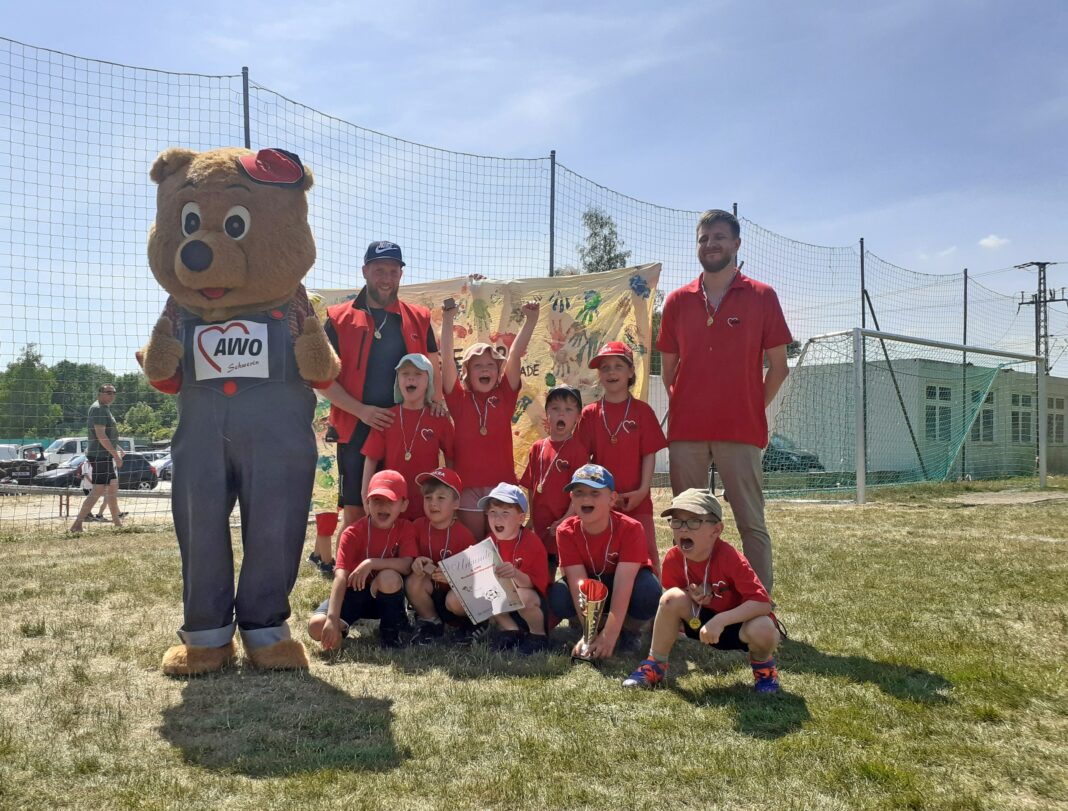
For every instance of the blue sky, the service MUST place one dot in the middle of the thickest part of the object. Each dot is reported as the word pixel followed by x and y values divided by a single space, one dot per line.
pixel 934 130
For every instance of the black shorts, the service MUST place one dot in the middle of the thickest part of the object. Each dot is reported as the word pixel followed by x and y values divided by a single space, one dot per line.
pixel 438 596
pixel 103 469
pixel 350 461
pixel 522 623
pixel 357 605
pixel 728 640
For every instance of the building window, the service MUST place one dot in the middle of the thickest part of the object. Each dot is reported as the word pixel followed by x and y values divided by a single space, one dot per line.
pixel 983 427
pixel 1020 419
pixel 938 417
pixel 1055 420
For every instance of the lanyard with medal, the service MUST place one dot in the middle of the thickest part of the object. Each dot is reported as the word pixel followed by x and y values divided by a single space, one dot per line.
pixel 549 468
pixel 483 416
pixel 370 533
pixel 607 548
pixel 612 435
pixel 695 620
pixel 711 308
pixel 378 327
pixel 415 435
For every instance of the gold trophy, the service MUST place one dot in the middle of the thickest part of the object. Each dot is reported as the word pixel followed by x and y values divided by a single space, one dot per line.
pixel 592 597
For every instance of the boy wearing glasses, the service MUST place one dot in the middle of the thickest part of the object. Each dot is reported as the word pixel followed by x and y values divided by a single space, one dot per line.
pixel 713 592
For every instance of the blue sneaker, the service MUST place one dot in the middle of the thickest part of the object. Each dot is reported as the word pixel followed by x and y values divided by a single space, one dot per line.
pixel 765 676
pixel 649 674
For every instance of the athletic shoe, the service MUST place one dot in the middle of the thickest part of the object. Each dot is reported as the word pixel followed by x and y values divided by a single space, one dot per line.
pixel 506 640
pixel 649 674
pixel 765 676
pixel 325 569
pixel 470 635
pixel 314 559
pixel 389 637
pixel 533 644
pixel 427 633
pixel 628 642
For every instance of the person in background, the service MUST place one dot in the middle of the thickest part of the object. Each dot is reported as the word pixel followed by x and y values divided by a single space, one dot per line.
pixel 105 456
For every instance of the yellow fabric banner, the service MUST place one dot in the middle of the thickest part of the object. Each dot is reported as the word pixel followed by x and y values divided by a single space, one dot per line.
pixel 579 314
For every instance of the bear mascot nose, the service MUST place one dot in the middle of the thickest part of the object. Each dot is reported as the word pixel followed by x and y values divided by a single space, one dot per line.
pixel 197 255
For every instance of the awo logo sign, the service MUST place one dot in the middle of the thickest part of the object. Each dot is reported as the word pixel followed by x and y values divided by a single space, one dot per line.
pixel 232 349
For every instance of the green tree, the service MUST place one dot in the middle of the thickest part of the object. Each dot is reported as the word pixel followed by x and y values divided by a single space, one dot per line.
pixel 76 389
pixel 603 249
pixel 26 390
pixel 140 420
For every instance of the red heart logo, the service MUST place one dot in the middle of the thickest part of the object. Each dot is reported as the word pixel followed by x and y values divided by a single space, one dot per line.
pixel 563 465
pixel 492 401
pixel 427 434
pixel 221 331
pixel 630 426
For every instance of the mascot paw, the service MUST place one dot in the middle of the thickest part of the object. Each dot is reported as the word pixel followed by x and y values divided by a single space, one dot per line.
pixel 163 353
pixel 288 654
pixel 188 660
pixel 316 359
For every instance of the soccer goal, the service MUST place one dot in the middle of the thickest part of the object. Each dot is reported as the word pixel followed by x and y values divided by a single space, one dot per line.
pixel 863 408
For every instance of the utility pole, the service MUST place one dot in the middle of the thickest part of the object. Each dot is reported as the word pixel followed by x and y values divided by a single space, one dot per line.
pixel 1040 300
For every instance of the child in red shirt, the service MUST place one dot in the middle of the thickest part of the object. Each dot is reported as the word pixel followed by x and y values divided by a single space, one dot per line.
pixel 712 593
pixel 623 435
pixel 525 562
pixel 482 400
pixel 598 542
pixel 416 439
pixel 373 556
pixel 550 463
pixel 438 534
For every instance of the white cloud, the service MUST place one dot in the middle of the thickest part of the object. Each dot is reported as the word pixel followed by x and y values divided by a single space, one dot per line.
pixel 952 249
pixel 993 242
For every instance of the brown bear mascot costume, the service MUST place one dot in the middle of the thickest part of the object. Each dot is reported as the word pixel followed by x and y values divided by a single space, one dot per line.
pixel 240 345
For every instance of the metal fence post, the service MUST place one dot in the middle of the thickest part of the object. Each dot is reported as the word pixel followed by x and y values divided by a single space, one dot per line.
pixel 244 104
pixel 858 408
pixel 1040 373
pixel 552 212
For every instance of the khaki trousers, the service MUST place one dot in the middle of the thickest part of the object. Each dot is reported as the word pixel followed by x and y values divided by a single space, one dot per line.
pixel 738 466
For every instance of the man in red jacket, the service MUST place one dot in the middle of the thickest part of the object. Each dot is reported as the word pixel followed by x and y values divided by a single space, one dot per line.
pixel 370 334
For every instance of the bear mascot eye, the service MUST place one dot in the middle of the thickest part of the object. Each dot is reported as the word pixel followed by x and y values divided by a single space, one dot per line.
pixel 237 222
pixel 190 219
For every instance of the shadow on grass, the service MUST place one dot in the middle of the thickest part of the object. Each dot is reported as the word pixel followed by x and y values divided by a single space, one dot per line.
pixel 899 681
pixel 760 716
pixel 274 724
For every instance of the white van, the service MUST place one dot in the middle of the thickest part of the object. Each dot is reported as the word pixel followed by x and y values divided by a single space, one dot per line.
pixel 68 447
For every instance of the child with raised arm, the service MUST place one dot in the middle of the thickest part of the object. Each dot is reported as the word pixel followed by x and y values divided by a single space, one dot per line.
pixel 525 562
pixel 623 435
pixel 600 543
pixel 482 399
pixel 438 535
pixel 712 593
pixel 416 439
pixel 550 463
pixel 373 557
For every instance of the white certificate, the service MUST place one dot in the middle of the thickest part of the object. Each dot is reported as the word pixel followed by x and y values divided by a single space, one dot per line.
pixel 471 575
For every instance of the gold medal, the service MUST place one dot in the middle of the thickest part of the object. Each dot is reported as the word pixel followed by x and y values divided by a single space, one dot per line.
pixel 407 456
pixel 483 430
pixel 708 323
pixel 614 440
pixel 540 489
pixel 379 334
pixel 694 623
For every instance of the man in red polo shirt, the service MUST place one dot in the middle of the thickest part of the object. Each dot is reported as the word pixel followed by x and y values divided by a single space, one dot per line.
pixel 715 336
pixel 370 334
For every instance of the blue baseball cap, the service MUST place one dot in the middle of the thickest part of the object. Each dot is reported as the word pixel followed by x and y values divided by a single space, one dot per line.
pixel 593 476
pixel 506 494
pixel 383 249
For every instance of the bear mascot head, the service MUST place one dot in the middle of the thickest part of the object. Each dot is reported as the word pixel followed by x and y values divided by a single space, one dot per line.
pixel 240 345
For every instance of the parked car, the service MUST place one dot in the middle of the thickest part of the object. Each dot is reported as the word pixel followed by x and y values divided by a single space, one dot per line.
pixel 163 468
pixel 20 463
pixel 136 473
pixel 154 456
pixel 783 455
pixel 67 447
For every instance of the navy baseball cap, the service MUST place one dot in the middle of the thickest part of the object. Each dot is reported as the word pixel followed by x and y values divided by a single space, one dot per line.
pixel 383 249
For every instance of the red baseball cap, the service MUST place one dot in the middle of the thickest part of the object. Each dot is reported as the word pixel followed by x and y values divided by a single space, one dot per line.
pixel 273 167
pixel 616 349
pixel 450 478
pixel 388 484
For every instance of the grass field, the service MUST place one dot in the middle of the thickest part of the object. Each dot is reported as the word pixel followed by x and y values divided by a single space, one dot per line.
pixel 925 669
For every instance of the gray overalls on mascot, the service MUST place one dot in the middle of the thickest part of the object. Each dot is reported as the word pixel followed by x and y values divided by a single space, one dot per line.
pixel 240 344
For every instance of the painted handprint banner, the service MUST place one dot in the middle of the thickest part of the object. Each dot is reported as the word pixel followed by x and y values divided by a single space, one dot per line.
pixel 579 314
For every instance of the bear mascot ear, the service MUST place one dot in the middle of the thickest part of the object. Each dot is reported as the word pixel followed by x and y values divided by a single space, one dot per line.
pixel 170 161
